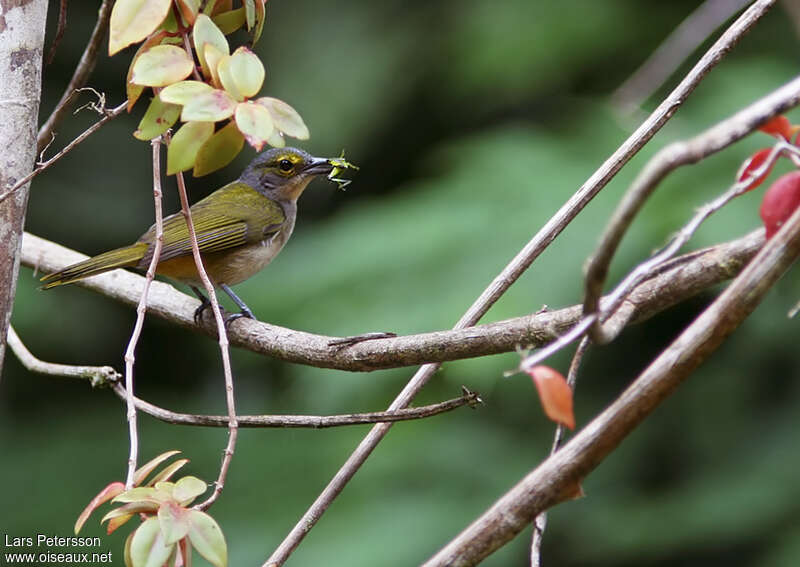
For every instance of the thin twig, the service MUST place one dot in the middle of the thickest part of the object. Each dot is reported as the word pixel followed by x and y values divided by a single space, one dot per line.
pixel 79 77
pixel 223 347
pixel 97 375
pixel 141 309
pixel 113 113
pixel 62 26
pixel 540 521
pixel 468 398
pixel 666 59
pixel 668 159
pixel 523 260
pixel 555 480
pixel 678 280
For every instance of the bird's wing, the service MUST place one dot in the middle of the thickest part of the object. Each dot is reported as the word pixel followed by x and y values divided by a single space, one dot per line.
pixel 219 231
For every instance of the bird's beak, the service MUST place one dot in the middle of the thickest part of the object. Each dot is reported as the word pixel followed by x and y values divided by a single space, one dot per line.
pixel 319 166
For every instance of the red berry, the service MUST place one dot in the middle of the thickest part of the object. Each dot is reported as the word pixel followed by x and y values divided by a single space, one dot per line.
pixel 780 201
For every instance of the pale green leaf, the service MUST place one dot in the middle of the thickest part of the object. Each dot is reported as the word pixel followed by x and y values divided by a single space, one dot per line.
pixel 160 116
pixel 142 472
pixel 135 91
pixel 148 548
pixel 183 91
pixel 162 65
pixel 174 522
pixel 207 538
pixel 255 122
pixel 219 150
pixel 209 107
pixel 230 21
pixel 261 17
pixel 182 151
pixel 276 139
pixel 285 118
pixel 213 55
pixel 133 20
pixel 188 488
pixel 250 13
pixel 130 509
pixel 226 78
pixel 127 552
pixel 247 72
pixel 205 32
pixel 138 494
pixel 164 489
pixel 168 471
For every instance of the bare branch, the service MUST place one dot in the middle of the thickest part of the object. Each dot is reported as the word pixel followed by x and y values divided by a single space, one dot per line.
pixel 668 159
pixel 557 478
pixel 40 167
pixel 468 398
pixel 79 77
pixel 97 375
pixel 223 347
pixel 141 308
pixel 676 281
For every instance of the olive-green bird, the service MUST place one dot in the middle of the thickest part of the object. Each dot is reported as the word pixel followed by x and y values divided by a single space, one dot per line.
pixel 240 228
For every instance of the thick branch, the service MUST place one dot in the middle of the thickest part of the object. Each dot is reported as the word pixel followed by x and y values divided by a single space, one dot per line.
pixel 676 281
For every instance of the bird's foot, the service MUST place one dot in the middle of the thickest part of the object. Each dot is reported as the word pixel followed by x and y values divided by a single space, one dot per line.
pixel 231 317
pixel 198 313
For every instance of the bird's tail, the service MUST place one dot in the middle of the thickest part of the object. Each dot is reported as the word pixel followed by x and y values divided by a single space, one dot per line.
pixel 118 258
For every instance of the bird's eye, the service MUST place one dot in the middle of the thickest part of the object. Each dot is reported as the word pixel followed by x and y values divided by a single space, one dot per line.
pixel 285 165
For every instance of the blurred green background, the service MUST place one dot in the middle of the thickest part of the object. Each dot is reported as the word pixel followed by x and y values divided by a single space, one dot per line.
pixel 472 122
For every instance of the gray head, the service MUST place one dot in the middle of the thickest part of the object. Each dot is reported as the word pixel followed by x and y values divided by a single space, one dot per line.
pixel 283 173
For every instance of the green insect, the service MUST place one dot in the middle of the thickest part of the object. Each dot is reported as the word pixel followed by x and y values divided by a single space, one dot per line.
pixel 340 165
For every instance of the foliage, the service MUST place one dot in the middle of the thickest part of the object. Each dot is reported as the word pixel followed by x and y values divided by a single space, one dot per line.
pixel 225 91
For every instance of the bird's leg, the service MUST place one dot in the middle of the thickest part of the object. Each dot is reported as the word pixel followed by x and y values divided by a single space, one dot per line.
pixel 204 304
pixel 245 310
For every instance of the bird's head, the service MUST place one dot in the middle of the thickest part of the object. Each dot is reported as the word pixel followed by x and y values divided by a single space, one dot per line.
pixel 284 173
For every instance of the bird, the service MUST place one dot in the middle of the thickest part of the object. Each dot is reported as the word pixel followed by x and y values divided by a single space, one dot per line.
pixel 240 228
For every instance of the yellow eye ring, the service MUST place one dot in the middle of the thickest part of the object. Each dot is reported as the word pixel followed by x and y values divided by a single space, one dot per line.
pixel 285 165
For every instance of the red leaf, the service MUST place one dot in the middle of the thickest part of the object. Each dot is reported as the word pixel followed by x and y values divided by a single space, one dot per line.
pixel 754 162
pixel 779 126
pixel 780 201
pixel 109 492
pixel 555 394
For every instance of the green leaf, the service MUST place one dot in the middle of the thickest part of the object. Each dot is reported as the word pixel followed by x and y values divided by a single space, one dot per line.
pixel 276 140
pixel 115 523
pixel 209 107
pixel 142 472
pixel 255 122
pixel 184 91
pixel 133 20
pixel 219 150
pixel 247 72
pixel 168 471
pixel 162 65
pixel 250 13
pixel 187 489
pixel 226 78
pixel 174 522
pixel 230 21
pixel 285 118
pixel 213 56
pixel 215 7
pixel 135 91
pixel 127 552
pixel 261 16
pixel 138 494
pixel 109 492
pixel 160 116
pixel 148 548
pixel 205 32
pixel 129 510
pixel 186 142
pixel 207 538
